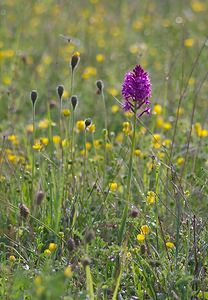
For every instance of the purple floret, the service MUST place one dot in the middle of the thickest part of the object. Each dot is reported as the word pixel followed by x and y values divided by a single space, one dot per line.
pixel 136 89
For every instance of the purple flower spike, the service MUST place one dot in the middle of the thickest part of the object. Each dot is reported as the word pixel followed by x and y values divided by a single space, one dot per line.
pixel 136 90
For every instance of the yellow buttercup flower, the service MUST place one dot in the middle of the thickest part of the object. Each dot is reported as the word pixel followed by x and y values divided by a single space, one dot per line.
pixel 37 146
pixel 126 128
pixel 157 109
pixel 80 125
pixel 89 72
pixel 189 42
pixel 91 128
pixel 56 139
pixel 47 252
pixel 108 146
pixel 145 229
pixel 114 109
pixel 180 161
pixel 170 245
pixel 113 186
pixel 159 122
pixel 138 152
pixel 52 247
pixel 12 258
pixel 198 6
pixel 66 112
pixel 68 272
pixel 43 124
pixel 100 58
pixel 97 143
pixel 156 141
pixel 151 197
pixel 88 145
pixel 167 125
pixel 44 141
pixel 140 237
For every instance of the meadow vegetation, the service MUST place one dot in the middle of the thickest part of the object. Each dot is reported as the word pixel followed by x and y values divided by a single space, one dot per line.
pixel 97 202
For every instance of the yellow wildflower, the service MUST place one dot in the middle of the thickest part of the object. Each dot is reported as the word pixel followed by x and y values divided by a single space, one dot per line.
pixel 52 247
pixel 170 245
pixel 167 143
pixel 100 58
pixel 12 258
pixel 189 42
pixel 44 141
pixel 97 144
pixel 66 112
pixel 12 158
pixel 180 160
pixel 126 128
pixel 151 197
pixel 13 138
pixel 114 109
pixel 29 128
pixel 140 237
pixel 156 141
pixel 198 6
pixel 37 146
pixel 113 186
pixel 43 124
pixel 47 252
pixel 80 125
pixel 68 272
pixel 91 128
pixel 6 80
pixel 203 133
pixel 88 145
pixel 9 53
pixel 108 146
pixel 138 152
pixel 157 109
pixel 119 137
pixel 56 139
pixel 167 125
pixel 89 72
pixel 159 122
pixel 65 143
pixel 145 229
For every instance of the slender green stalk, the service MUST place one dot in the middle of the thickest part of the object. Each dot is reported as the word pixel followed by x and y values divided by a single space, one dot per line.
pixel 105 110
pixel 105 136
pixel 89 280
pixel 84 169
pixel 125 211
pixel 72 82
pixel 33 154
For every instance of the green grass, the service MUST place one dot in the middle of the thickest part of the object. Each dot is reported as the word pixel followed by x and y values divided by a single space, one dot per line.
pixel 84 215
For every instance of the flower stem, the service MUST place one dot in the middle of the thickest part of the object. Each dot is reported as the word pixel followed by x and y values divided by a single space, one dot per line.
pixel 126 208
pixel 33 153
